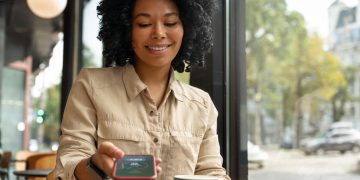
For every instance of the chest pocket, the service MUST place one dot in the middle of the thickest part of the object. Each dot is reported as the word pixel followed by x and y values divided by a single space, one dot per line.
pixel 130 139
pixel 184 151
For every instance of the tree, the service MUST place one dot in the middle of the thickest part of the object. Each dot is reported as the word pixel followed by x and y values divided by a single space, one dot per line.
pixel 88 57
pixel 342 94
pixel 312 75
pixel 275 38
pixel 51 126
pixel 264 26
pixel 285 65
pixel 321 75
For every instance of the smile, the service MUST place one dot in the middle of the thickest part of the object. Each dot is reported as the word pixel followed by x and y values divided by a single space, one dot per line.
pixel 158 48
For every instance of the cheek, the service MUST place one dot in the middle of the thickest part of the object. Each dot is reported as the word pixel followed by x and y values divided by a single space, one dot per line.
pixel 180 34
pixel 134 39
pixel 137 37
pixel 179 38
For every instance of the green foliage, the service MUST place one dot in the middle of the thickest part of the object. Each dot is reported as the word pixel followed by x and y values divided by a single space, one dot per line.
pixel 274 38
pixel 286 64
pixel 184 77
pixel 88 57
pixel 50 102
pixel 52 107
pixel 342 94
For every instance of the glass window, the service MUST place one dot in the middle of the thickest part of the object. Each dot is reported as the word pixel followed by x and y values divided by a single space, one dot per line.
pixel 92 47
pixel 12 109
pixel 298 89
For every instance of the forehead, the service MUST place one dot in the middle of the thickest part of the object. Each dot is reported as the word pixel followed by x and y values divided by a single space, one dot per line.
pixel 154 6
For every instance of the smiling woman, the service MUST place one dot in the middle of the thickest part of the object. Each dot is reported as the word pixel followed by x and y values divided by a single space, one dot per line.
pixel 136 106
pixel 195 18
pixel 156 35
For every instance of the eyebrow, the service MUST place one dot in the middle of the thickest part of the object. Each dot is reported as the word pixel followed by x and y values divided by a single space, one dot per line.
pixel 148 15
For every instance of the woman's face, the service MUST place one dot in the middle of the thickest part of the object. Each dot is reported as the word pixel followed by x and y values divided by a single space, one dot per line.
pixel 157 32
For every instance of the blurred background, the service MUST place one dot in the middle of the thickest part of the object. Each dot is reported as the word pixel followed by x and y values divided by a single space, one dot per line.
pixel 303 89
pixel 302 82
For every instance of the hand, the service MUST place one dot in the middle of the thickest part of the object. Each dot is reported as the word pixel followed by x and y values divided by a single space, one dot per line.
pixel 105 156
pixel 158 168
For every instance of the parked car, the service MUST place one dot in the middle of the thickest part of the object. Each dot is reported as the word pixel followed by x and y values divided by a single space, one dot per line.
pixel 341 140
pixel 256 155
pixel 345 125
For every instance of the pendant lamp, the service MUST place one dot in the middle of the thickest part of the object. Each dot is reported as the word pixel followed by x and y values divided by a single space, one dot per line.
pixel 47 9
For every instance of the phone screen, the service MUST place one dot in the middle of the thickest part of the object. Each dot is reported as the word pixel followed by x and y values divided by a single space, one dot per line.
pixel 135 165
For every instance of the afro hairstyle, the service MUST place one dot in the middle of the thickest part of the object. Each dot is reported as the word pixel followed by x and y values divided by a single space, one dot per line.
pixel 195 15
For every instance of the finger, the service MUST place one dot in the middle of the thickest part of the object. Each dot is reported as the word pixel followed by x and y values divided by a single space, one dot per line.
pixel 111 150
pixel 105 156
pixel 158 161
pixel 158 169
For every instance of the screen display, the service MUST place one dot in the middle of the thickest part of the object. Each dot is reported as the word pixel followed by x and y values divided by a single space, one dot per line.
pixel 135 165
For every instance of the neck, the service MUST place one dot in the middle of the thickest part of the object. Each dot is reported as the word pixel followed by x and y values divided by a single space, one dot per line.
pixel 153 76
pixel 156 79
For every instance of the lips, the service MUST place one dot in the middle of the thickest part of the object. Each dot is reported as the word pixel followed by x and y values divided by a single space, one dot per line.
pixel 158 48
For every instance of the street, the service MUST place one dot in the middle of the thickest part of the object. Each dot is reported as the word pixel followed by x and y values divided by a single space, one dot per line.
pixel 294 165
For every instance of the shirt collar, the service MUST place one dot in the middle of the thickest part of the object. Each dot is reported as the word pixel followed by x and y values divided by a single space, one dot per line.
pixel 134 86
pixel 132 82
pixel 176 87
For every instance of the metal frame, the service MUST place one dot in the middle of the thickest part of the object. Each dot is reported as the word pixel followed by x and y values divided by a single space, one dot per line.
pixel 72 59
pixel 212 78
pixel 2 52
pixel 224 78
pixel 236 70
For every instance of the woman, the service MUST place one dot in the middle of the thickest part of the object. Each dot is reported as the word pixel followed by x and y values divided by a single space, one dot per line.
pixel 136 106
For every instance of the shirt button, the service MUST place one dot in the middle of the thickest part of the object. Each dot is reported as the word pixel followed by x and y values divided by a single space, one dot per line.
pixel 152 113
pixel 156 140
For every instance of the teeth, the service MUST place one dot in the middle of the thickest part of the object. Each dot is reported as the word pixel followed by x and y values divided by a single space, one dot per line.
pixel 157 48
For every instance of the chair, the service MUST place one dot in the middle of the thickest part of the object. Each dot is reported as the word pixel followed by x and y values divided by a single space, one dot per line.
pixel 21 156
pixel 4 174
pixel 5 164
pixel 51 176
pixel 35 161
pixel 41 161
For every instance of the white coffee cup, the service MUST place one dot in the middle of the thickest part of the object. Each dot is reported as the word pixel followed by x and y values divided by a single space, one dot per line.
pixel 195 177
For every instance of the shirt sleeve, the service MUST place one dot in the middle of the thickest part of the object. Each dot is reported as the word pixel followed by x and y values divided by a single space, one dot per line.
pixel 209 159
pixel 78 127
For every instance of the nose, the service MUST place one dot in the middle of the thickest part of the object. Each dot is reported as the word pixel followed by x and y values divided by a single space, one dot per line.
pixel 158 32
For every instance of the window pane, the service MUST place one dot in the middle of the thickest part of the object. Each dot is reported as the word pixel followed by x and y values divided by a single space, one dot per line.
pixel 302 77
pixel 92 47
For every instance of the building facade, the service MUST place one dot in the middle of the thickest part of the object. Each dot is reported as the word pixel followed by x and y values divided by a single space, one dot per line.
pixel 344 41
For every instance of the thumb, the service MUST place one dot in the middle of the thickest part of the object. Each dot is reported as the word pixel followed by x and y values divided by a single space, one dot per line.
pixel 111 150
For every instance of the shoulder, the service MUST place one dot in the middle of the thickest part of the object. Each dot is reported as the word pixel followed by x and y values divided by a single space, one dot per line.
pixel 193 94
pixel 100 77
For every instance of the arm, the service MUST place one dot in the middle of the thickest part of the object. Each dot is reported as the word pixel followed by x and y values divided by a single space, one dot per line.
pixel 78 127
pixel 78 141
pixel 103 158
pixel 209 159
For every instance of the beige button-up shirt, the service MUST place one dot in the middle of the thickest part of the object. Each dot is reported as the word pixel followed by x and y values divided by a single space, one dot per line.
pixel 113 104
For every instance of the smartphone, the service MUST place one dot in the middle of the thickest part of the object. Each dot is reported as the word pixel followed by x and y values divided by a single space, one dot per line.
pixel 137 167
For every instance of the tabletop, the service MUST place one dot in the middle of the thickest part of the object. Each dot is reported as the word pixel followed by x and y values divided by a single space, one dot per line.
pixel 33 173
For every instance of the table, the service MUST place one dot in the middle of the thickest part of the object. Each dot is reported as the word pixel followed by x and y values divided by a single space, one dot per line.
pixel 32 173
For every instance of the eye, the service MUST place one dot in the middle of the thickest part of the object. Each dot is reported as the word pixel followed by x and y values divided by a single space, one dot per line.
pixel 170 24
pixel 143 25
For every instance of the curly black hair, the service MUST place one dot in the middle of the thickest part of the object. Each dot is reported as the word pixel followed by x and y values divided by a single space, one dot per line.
pixel 115 32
